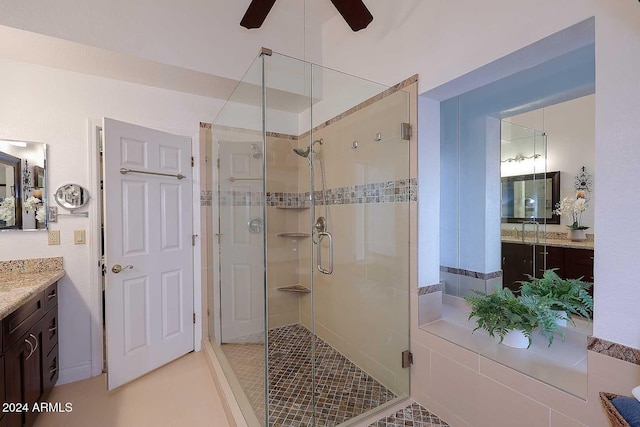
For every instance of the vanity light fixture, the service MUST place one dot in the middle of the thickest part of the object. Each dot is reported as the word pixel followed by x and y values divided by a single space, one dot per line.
pixel 519 158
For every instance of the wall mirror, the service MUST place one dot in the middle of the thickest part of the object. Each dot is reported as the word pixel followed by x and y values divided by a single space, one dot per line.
pixel 23 193
pixel 530 197
pixel 72 196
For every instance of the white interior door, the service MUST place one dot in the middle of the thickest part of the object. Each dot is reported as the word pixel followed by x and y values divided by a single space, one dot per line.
pixel 241 241
pixel 148 229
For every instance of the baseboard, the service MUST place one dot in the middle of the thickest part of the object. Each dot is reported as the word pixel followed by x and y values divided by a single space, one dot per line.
pixel 75 373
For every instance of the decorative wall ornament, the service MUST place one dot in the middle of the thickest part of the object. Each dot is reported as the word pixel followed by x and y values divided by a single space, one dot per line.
pixel 583 184
pixel 27 185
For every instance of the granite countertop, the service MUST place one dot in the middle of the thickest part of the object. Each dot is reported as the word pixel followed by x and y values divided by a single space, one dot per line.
pixel 22 279
pixel 562 243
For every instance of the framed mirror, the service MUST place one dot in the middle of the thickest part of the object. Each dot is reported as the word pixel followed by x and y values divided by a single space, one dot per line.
pixel 23 203
pixel 72 196
pixel 531 197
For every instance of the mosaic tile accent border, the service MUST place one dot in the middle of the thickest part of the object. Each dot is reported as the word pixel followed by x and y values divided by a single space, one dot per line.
pixel 206 197
pixel 469 273
pixel 612 349
pixel 403 190
pixel 34 265
pixel 414 415
pixel 429 289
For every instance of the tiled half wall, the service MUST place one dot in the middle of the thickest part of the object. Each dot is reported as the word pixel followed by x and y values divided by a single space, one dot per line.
pixel 460 282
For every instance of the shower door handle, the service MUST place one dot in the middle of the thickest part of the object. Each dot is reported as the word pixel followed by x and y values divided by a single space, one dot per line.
pixel 329 270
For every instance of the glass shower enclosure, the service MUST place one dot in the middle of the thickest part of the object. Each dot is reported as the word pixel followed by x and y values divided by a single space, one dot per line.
pixel 308 294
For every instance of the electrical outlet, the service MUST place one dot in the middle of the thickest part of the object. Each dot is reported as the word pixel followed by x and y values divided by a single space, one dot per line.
pixel 54 237
pixel 79 237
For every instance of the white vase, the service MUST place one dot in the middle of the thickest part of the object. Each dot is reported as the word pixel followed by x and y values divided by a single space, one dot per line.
pixel 577 235
pixel 516 339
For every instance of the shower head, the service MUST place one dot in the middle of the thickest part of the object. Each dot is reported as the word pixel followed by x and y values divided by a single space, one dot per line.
pixel 302 153
pixel 305 153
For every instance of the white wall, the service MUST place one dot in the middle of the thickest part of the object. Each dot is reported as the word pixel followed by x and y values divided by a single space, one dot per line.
pixel 570 129
pixel 441 43
pixel 53 106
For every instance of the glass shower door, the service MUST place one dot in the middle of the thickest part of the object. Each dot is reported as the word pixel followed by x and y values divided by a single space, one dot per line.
pixel 359 250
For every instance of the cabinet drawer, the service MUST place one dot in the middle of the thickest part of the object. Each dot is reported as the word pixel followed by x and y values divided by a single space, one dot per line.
pixel 20 321
pixel 50 372
pixel 3 396
pixel 49 328
pixel 51 296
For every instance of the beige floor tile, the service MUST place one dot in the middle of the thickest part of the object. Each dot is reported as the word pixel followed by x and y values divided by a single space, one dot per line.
pixel 179 394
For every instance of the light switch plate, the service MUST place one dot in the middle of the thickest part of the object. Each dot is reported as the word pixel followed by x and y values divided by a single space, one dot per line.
pixel 54 237
pixel 79 237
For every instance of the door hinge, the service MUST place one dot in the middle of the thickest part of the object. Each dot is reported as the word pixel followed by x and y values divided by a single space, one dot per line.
pixel 407 358
pixel 193 239
pixel 208 312
pixel 194 318
pixel 218 163
pixel 405 131
pixel 192 161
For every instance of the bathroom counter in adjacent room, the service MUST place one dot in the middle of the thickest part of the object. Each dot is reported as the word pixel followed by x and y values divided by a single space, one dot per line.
pixel 22 279
pixel 561 243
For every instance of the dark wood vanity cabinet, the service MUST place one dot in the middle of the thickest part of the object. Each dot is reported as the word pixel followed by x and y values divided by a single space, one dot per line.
pixel 518 261
pixel 30 352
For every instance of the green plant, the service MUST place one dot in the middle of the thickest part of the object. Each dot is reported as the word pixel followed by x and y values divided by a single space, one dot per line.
pixel 500 312
pixel 569 295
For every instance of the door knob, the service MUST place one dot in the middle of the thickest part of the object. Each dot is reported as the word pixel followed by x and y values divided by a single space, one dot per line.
pixel 117 268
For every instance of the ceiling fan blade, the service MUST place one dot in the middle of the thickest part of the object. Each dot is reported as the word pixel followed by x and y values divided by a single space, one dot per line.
pixel 256 13
pixel 354 12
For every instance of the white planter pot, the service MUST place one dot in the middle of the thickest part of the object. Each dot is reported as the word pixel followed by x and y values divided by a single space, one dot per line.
pixel 516 339
pixel 577 235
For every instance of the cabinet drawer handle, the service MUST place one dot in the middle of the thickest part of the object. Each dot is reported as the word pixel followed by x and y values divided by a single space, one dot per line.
pixel 591 258
pixel 32 349
pixel 53 294
pixel 35 339
pixel 52 371
pixel 53 328
pixel 544 253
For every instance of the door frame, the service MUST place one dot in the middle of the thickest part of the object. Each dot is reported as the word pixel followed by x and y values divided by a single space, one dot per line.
pixel 94 127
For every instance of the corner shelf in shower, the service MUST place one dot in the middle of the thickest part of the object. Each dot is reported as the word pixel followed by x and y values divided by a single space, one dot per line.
pixel 300 289
pixel 293 234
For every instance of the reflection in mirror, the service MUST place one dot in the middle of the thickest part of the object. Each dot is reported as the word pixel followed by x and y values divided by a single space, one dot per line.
pixel 72 196
pixel 22 185
pixel 530 197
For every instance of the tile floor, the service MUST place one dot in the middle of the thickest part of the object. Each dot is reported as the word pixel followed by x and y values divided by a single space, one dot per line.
pixel 343 390
pixel 182 393
pixel 413 415
pixel 179 394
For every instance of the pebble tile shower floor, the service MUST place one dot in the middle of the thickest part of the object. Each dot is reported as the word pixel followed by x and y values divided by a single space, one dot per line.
pixel 343 390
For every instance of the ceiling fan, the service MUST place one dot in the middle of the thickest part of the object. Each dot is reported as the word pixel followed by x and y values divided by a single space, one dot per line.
pixel 353 11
